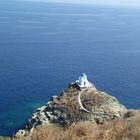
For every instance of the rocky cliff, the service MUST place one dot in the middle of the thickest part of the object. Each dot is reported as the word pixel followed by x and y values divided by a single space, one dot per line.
pixel 74 105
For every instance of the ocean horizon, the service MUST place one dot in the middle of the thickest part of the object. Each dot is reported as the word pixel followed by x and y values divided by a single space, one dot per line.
pixel 45 46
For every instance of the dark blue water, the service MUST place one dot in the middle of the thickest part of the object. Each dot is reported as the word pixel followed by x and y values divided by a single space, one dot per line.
pixel 45 46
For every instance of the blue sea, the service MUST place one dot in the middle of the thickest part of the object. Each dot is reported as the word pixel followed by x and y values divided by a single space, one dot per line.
pixel 44 46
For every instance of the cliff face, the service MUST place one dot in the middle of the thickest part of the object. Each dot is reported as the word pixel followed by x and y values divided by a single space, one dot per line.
pixel 74 105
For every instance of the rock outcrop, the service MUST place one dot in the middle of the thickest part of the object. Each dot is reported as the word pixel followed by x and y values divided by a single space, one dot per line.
pixel 74 105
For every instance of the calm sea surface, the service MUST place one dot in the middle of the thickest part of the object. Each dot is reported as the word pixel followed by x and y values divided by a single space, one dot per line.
pixel 45 46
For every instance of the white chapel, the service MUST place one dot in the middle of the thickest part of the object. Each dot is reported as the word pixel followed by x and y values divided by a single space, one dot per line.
pixel 83 82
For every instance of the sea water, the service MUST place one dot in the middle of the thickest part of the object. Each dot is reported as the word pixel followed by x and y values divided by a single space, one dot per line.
pixel 44 46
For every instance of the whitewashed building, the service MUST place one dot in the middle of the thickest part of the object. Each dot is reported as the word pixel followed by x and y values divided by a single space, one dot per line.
pixel 83 82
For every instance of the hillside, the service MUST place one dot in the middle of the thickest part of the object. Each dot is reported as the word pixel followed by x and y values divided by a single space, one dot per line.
pixel 82 114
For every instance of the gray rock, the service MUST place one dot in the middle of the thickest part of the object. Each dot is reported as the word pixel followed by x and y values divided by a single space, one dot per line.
pixel 74 106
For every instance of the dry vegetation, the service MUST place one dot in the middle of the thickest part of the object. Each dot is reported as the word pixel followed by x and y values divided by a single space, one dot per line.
pixel 127 129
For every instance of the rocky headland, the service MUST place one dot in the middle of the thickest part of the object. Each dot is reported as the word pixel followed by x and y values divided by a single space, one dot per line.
pixel 75 105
